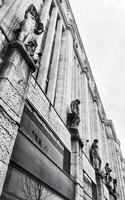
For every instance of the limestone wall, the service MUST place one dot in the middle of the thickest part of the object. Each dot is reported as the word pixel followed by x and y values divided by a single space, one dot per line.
pixel 62 75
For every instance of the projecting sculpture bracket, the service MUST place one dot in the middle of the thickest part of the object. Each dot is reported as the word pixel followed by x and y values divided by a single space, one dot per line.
pixel 28 30
pixel 20 46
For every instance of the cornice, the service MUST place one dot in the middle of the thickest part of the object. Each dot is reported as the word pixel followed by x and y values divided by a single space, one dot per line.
pixel 111 125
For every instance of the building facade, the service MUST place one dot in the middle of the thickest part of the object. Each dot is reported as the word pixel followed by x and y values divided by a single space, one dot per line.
pixel 55 139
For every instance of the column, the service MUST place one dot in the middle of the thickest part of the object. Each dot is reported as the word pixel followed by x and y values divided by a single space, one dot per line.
pixel 119 171
pixel 45 61
pixel 73 75
pixel 54 64
pixel 44 18
pixel 76 159
pixel 62 87
pixel 85 122
pixel 96 130
pixel 14 81
pixel 100 186
pixel 80 98
pixel 104 142
pixel 76 79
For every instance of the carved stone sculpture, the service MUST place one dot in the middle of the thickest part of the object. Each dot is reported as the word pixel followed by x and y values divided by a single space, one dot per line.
pixel 29 28
pixel 115 194
pixel 94 155
pixel 75 107
pixel 107 174
pixel 73 118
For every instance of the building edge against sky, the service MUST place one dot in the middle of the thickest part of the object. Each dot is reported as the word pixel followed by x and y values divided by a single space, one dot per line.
pixel 51 111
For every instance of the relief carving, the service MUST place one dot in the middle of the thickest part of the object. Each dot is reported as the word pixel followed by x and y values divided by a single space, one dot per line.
pixel 29 28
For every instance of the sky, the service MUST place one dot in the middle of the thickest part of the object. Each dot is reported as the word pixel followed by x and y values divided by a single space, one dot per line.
pixel 101 24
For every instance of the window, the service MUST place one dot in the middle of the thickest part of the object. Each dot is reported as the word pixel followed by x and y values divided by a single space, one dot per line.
pixel 21 186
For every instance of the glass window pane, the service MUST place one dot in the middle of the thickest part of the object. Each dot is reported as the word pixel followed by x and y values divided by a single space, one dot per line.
pixel 24 187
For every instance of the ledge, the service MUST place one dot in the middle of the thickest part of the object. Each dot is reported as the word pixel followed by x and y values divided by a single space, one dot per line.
pixel 19 45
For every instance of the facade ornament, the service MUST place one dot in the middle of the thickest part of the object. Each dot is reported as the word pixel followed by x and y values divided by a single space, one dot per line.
pixel 73 117
pixel 29 28
pixel 107 174
pixel 94 155
pixel 115 194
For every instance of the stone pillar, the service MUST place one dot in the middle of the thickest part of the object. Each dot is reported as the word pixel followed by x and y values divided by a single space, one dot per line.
pixel 45 61
pixel 54 64
pixel 62 88
pixel 76 79
pixel 104 142
pixel 44 18
pixel 96 129
pixel 73 78
pixel 14 81
pixel 100 188
pixel 76 163
pixel 85 117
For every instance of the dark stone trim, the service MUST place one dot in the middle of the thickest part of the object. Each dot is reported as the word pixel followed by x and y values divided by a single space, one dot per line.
pixel 19 45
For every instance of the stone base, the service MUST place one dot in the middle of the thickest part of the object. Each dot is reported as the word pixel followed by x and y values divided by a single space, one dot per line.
pixel 75 136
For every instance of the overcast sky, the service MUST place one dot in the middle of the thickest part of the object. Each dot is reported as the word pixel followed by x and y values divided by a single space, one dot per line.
pixel 101 24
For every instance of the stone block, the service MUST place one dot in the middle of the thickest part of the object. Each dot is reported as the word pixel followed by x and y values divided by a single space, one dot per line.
pixel 11 97
pixel 42 105
pixel 3 170
pixel 8 124
pixel 5 142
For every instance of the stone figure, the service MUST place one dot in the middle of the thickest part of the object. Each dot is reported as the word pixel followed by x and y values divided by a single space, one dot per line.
pixel 75 107
pixel 29 28
pixel 115 194
pixel 94 155
pixel 115 185
pixel 73 117
pixel 108 176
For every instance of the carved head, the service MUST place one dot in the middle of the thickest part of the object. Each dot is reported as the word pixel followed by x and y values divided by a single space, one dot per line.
pixel 95 141
pixel 33 12
pixel 77 101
